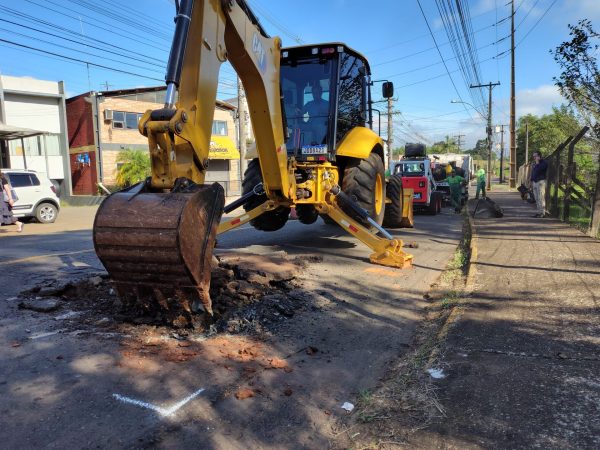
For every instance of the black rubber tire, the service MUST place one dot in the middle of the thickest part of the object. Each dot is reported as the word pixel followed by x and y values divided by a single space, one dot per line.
pixel 46 213
pixel 439 202
pixel 271 220
pixel 307 214
pixel 433 207
pixel 360 183
pixel 393 211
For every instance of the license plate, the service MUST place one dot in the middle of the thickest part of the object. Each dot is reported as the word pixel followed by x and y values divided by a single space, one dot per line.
pixel 417 196
pixel 314 149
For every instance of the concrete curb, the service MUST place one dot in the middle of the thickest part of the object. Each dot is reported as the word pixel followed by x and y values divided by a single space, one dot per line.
pixel 469 286
pixel 472 270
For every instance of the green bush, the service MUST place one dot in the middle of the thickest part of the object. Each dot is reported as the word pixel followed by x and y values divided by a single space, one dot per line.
pixel 134 166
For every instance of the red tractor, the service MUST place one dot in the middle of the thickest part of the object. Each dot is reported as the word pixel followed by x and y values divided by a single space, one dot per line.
pixel 416 173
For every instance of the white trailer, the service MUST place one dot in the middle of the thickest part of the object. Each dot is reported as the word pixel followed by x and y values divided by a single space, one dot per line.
pixel 458 160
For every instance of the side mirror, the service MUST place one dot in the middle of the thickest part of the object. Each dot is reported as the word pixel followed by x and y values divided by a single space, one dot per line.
pixel 387 89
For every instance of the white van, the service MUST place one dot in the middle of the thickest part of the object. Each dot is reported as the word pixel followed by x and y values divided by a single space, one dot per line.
pixel 37 195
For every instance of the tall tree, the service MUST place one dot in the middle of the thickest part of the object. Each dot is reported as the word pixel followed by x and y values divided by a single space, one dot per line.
pixel 579 81
pixel 546 132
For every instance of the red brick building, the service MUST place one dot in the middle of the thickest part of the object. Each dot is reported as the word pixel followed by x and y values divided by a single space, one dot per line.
pixel 103 124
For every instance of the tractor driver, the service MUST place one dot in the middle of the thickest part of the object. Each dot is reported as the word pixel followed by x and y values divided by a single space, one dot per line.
pixel 318 114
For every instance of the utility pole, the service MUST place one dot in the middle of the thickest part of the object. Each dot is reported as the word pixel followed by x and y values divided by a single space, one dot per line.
pixel 458 140
pixel 489 130
pixel 526 143
pixel 390 131
pixel 243 132
pixel 501 153
pixel 106 85
pixel 513 136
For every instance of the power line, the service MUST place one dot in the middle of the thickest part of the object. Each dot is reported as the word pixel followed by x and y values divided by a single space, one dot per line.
pixel 128 56
pixel 440 53
pixel 421 36
pixel 112 30
pixel 128 20
pixel 422 51
pixel 80 60
pixel 47 24
pixel 416 69
pixel 77 50
pixel 296 38
pixel 537 22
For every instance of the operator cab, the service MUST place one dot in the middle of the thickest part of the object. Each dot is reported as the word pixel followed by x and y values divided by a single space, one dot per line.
pixel 410 168
pixel 326 93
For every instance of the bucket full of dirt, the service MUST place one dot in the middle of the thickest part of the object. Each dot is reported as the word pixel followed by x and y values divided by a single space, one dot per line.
pixel 157 247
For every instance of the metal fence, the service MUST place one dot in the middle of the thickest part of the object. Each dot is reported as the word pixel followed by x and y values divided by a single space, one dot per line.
pixel 572 184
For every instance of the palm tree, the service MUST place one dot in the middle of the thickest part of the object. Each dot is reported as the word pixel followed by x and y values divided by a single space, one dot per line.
pixel 134 166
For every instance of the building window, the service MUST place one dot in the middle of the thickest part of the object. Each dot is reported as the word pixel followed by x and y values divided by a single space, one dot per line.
pixel 131 120
pixel 126 120
pixel 219 128
pixel 52 145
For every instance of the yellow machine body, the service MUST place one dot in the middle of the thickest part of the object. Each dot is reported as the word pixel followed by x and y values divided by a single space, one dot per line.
pixel 156 239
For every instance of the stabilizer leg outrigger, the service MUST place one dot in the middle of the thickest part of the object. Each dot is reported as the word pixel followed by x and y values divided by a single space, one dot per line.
pixel 387 250
pixel 235 222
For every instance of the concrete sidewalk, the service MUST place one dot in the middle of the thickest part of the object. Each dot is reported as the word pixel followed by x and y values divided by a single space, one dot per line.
pixel 523 359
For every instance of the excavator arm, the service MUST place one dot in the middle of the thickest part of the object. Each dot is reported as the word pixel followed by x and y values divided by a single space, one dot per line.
pixel 156 238
pixel 207 34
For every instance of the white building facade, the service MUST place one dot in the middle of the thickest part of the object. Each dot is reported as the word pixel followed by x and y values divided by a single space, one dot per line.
pixel 33 128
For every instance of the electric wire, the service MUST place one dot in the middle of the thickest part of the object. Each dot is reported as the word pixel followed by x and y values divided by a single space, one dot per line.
pixel 79 60
pixel 440 53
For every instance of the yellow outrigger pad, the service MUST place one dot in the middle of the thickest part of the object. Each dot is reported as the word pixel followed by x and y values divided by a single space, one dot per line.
pixel 157 248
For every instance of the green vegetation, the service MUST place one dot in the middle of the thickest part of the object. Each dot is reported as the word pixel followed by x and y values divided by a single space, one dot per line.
pixel 134 166
pixel 547 132
pixel 580 76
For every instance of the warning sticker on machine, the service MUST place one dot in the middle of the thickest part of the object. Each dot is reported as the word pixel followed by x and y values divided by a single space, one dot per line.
pixel 314 149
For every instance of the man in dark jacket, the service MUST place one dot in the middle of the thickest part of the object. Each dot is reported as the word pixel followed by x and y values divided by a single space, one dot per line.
pixel 538 183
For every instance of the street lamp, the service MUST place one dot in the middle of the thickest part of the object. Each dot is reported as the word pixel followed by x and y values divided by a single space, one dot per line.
pixel 489 137
pixel 467 103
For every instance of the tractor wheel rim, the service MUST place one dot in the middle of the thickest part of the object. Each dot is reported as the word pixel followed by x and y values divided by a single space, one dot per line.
pixel 378 194
pixel 47 213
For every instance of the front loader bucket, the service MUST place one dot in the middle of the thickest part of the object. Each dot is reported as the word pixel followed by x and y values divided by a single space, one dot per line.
pixel 157 248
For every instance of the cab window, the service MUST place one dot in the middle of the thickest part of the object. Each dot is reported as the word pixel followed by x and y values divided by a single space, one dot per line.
pixel 350 103
pixel 306 85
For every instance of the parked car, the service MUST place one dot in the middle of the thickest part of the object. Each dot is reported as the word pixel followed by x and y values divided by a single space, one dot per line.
pixel 37 195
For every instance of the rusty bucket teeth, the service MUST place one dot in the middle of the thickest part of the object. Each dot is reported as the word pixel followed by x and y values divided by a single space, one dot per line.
pixel 157 248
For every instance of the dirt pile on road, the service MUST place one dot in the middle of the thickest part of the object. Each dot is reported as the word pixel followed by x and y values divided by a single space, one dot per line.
pixel 250 294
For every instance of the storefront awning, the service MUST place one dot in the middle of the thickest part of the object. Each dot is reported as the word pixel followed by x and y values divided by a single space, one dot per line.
pixel 221 147
pixel 10 132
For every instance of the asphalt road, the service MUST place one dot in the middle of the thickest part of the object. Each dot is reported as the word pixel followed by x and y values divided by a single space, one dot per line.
pixel 61 389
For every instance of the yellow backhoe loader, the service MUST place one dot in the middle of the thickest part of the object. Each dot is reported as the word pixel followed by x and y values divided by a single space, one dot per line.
pixel 310 109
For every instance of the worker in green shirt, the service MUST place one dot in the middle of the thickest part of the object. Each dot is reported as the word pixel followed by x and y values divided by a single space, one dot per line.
pixel 456 183
pixel 480 174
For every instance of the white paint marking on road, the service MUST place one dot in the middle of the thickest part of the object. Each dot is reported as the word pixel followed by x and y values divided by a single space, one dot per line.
pixel 45 334
pixel 68 315
pixel 164 412
pixel 436 373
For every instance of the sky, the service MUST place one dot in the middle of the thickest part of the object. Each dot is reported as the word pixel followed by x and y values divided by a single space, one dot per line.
pixel 117 45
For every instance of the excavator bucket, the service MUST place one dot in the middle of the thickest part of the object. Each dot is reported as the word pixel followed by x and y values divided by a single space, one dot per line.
pixel 157 248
